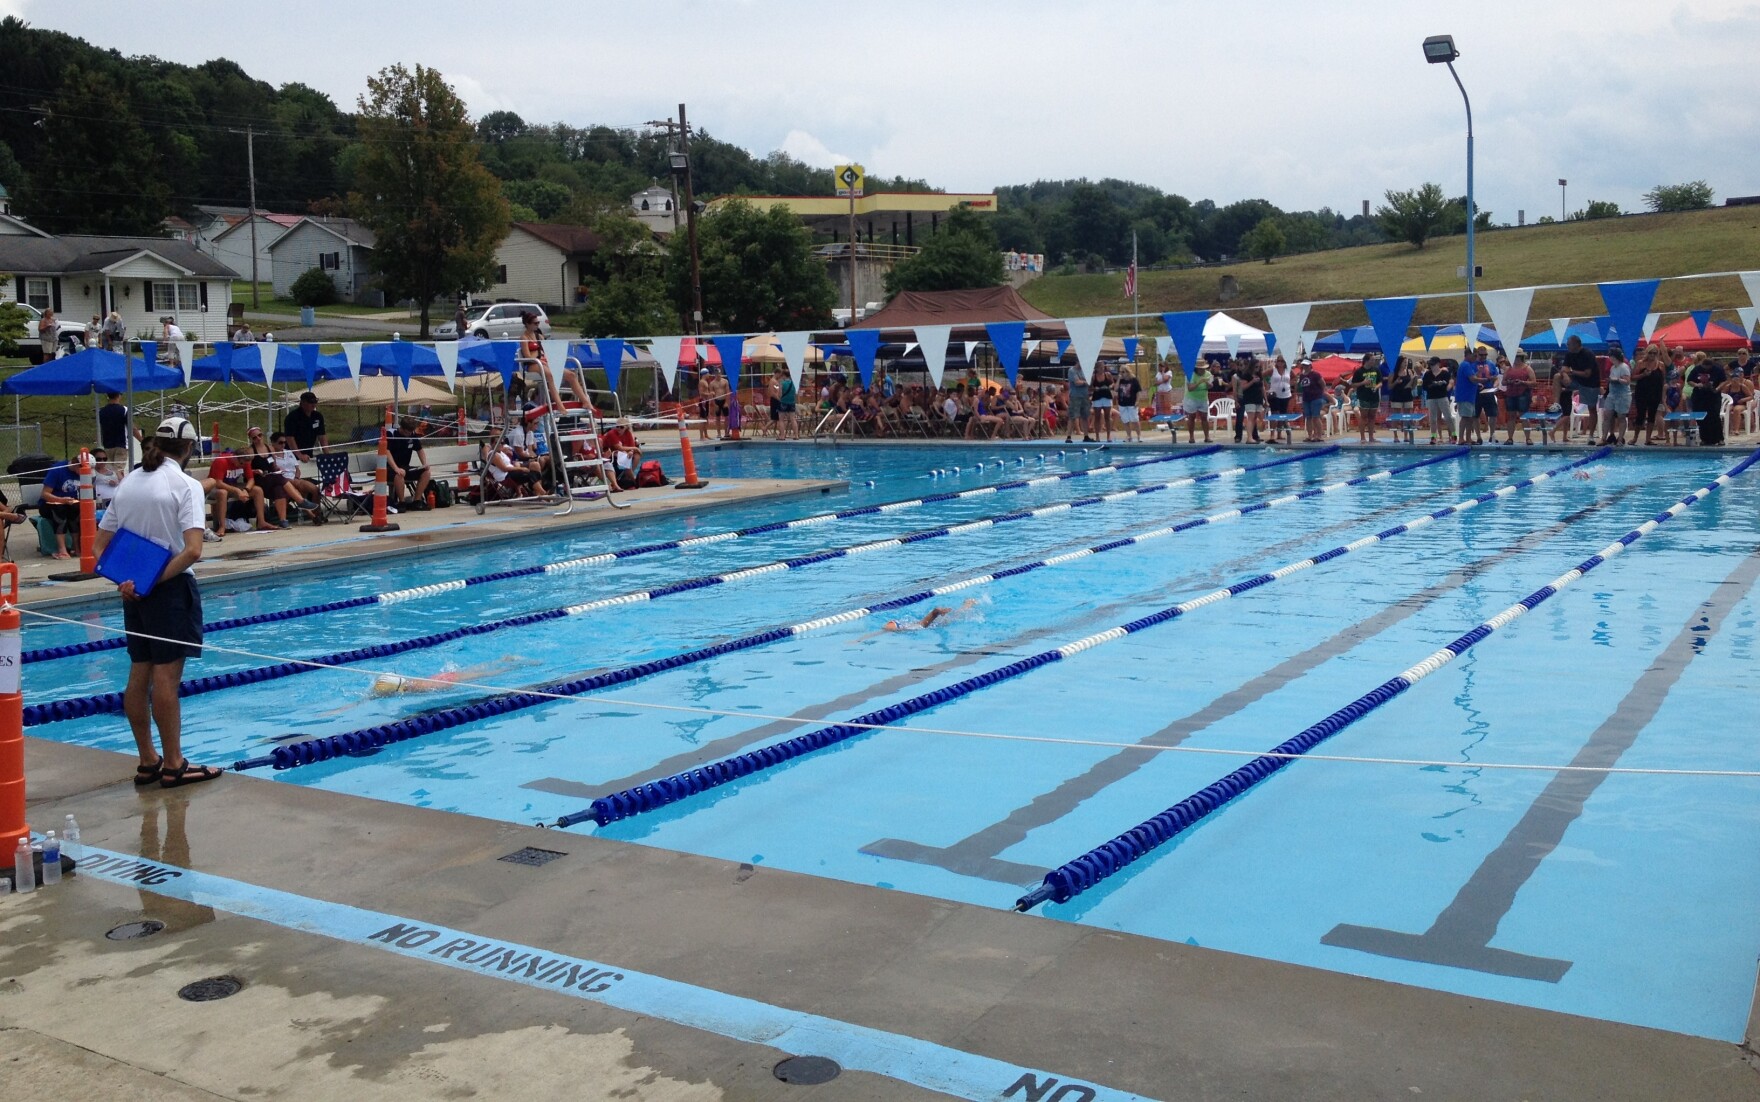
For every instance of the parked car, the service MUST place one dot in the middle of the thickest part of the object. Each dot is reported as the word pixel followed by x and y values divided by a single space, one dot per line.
pixel 72 335
pixel 496 321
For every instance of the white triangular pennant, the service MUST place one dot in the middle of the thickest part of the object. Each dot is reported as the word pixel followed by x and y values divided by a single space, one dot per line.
pixel 1233 343
pixel 1650 322
pixel 933 339
pixel 556 357
pixel 186 357
pixel 1560 326
pixel 666 349
pixel 1085 335
pixel 1286 322
pixel 1509 313
pixel 1163 346
pixel 1309 336
pixel 1751 280
pixel 794 353
pixel 266 359
pixel 1470 334
pixel 351 351
pixel 910 346
pixel 971 346
pixel 1749 315
pixel 447 353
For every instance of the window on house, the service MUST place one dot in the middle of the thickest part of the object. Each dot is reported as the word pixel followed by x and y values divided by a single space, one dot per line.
pixel 644 204
pixel 501 273
pixel 36 293
pixel 176 298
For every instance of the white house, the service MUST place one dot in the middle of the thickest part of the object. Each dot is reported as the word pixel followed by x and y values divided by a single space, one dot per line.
pixel 339 247
pixel 142 278
pixel 541 262
pixel 232 245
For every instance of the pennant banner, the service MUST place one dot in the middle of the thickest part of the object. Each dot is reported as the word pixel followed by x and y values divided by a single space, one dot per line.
pixel 1086 334
pixel 1390 318
pixel 864 344
pixel 732 348
pixel 610 351
pixel 1309 336
pixel 447 353
pixel 186 357
pixel 933 340
pixel 1470 334
pixel 1751 281
pixel 403 355
pixel 794 353
pixel 1509 313
pixel 971 346
pixel 351 351
pixel 1006 338
pixel 556 363
pixel 1062 347
pixel 1701 318
pixel 1130 348
pixel 1233 342
pixel 223 353
pixel 1428 332
pixel 1651 321
pixel 1186 330
pixel 1750 316
pixel 1627 303
pixel 666 350
pixel 1286 323
pixel 1560 326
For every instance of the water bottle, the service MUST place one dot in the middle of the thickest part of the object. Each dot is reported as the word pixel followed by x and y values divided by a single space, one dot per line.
pixel 51 859
pixel 24 875
pixel 70 839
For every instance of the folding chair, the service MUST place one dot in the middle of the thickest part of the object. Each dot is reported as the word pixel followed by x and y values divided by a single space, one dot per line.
pixel 336 493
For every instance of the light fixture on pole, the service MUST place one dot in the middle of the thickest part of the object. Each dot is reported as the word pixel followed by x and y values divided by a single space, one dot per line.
pixel 1439 50
pixel 1561 203
pixel 681 168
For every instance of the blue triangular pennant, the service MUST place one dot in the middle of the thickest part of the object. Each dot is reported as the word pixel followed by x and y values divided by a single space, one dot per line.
pixel 308 354
pixel 403 355
pixel 1006 338
pixel 864 344
pixel 1062 347
pixel 1130 349
pixel 1428 332
pixel 610 351
pixel 732 347
pixel 1627 303
pixel 1186 328
pixel 1701 318
pixel 1390 318
pixel 1604 328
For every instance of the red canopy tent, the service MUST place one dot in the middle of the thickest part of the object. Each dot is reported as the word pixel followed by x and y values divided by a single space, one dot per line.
pixel 1334 368
pixel 1684 335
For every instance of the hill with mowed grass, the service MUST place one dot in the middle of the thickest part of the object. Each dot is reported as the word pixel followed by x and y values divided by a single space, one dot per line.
pixel 1723 239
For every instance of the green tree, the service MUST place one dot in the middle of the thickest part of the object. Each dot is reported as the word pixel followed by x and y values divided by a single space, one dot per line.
pixel 543 197
pixel 1097 224
pixel 962 255
pixel 759 271
pixel 314 287
pixel 437 214
pixel 626 284
pixel 95 170
pixel 1414 215
pixel 1599 208
pixel 13 320
pixel 1264 241
pixel 1672 197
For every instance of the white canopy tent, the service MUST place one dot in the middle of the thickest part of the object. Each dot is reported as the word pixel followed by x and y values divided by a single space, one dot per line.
pixel 1224 334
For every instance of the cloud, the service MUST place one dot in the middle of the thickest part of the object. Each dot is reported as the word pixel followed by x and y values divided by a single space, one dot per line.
pixel 804 147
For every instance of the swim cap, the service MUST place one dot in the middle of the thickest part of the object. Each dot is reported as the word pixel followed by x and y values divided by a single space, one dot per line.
pixel 388 683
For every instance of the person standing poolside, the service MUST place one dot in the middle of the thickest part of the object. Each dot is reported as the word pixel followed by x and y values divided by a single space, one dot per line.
pixel 1250 393
pixel 1127 391
pixel 1648 379
pixel 1488 381
pixel 1279 386
pixel 305 427
pixel 161 504
pixel 1617 398
pixel 1313 390
pixel 1584 373
pixel 1197 402
pixel 1436 381
pixel 1466 401
pixel 1518 393
pixel 1163 389
pixel 1368 382
pixel 1100 401
pixel 1080 407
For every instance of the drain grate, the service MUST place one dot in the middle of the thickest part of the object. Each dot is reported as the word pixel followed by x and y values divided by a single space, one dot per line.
pixel 532 856
pixel 128 931
pixel 210 989
pixel 807 1071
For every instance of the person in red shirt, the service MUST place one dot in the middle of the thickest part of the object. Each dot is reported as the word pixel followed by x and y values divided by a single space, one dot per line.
pixel 622 452
pixel 236 493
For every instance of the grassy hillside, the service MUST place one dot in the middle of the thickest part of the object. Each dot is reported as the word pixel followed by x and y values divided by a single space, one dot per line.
pixel 1718 240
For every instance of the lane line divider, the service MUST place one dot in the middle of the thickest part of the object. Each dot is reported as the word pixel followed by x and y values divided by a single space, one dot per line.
pixel 670 790
pixel 420 592
pixel 1074 877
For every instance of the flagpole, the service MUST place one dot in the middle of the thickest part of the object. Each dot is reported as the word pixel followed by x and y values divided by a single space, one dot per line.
pixel 1136 299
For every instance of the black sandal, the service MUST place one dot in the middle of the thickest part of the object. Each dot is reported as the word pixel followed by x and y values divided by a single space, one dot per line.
pixel 189 774
pixel 147 774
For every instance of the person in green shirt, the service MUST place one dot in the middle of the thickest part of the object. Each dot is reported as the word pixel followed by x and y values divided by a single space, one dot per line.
pixel 1197 403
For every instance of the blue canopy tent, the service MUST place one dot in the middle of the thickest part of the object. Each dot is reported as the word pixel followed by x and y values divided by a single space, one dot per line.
pixel 93 371
pixel 1545 343
pixel 244 364
pixel 1360 339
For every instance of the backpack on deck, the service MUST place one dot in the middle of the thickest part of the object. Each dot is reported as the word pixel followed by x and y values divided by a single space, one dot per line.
pixel 652 475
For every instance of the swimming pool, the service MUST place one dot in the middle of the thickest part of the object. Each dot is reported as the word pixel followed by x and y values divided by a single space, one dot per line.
pixel 1621 896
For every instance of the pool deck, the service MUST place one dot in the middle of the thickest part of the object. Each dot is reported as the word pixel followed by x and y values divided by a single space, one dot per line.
pixel 325 1014
pixel 936 998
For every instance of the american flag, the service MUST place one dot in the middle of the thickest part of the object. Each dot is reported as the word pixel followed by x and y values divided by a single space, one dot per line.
pixel 1130 281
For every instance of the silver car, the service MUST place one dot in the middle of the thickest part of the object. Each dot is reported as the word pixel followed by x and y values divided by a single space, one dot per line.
pixel 496 321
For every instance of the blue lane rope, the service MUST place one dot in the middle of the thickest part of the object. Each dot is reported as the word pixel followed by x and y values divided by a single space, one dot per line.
pixel 669 790
pixel 71 650
pixel 1074 877
pixel 111 701
pixel 80 707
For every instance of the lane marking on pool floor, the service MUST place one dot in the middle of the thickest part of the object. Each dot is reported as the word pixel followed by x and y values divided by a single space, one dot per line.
pixel 895 1056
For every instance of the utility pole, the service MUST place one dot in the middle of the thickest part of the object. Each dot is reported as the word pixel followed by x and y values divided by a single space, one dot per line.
pixel 670 127
pixel 690 208
pixel 250 160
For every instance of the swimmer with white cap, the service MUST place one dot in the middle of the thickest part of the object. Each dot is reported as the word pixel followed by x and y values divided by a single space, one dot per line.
pixel 940 614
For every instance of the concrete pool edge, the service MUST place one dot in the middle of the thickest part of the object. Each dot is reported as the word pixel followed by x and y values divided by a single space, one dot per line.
pixel 1131 1013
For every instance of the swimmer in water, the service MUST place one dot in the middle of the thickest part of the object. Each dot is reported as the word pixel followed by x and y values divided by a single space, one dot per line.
pixel 940 614
pixel 1589 474
pixel 392 684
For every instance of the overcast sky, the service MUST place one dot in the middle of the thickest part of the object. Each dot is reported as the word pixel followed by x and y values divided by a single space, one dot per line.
pixel 1304 104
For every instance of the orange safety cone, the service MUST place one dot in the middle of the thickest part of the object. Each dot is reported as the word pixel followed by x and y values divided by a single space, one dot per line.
pixel 12 824
pixel 382 482
pixel 88 516
pixel 691 481
pixel 464 468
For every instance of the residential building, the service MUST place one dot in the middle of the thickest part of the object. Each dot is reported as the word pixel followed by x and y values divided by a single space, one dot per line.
pixel 339 247
pixel 654 208
pixel 542 262
pixel 142 278
pixel 232 245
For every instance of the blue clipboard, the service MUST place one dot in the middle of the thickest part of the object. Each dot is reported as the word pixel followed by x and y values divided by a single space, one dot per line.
pixel 130 557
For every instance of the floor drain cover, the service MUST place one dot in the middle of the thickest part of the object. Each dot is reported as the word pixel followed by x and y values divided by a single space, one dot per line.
pixel 532 856
pixel 214 987
pixel 807 1071
pixel 128 931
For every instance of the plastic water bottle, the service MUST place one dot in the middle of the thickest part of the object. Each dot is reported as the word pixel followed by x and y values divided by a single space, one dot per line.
pixel 70 839
pixel 24 875
pixel 51 859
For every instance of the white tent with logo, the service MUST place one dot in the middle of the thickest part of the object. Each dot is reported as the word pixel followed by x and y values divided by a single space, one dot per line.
pixel 1224 334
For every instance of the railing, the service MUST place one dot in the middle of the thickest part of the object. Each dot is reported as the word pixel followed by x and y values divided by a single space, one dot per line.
pixel 867 250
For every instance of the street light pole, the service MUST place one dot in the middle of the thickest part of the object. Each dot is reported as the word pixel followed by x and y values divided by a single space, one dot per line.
pixel 690 215
pixel 1439 49
pixel 1561 200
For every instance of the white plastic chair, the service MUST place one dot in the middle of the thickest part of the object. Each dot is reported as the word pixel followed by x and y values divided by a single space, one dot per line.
pixel 1221 414
pixel 1579 417
pixel 1723 414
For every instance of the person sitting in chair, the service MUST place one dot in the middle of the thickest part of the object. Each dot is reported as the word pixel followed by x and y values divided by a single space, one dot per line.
pixel 408 458
pixel 508 474
pixel 60 503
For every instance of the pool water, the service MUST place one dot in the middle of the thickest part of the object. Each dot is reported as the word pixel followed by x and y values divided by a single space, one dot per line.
pixel 1627 897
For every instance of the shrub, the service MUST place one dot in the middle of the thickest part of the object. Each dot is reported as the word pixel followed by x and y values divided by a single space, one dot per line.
pixel 314 288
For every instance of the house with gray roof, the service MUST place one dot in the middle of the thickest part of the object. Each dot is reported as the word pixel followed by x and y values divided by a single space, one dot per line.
pixel 142 278
pixel 339 247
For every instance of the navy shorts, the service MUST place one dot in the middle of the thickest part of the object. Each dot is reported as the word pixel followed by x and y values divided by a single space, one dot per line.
pixel 172 611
